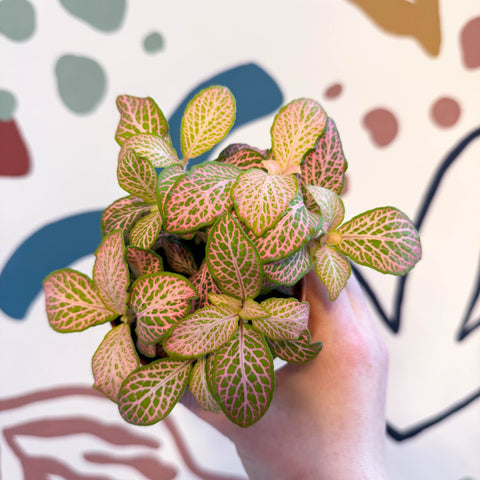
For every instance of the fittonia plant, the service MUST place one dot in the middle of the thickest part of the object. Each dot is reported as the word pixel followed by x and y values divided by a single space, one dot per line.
pixel 196 267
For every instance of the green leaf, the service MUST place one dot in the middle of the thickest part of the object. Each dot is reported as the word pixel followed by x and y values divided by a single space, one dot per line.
pixel 200 197
pixel 202 332
pixel 137 176
pixel 114 360
pixel 145 232
pixel 295 130
pixel 165 182
pixel 204 283
pixel 178 256
pixel 220 299
pixel 243 158
pixel 262 199
pixel 332 268
pixel 73 303
pixel 198 385
pixel 287 319
pixel 325 165
pixel 160 301
pixel 142 261
pixel 233 260
pixel 383 238
pixel 252 310
pixel 290 270
pixel 157 150
pixel 300 350
pixel 110 272
pixel 149 393
pixel 123 214
pixel 208 118
pixel 330 204
pixel 242 377
pixel 139 115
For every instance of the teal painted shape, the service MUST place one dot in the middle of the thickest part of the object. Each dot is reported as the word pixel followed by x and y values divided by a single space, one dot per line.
pixel 81 83
pixel 17 19
pixel 103 15
pixel 8 105
pixel 153 42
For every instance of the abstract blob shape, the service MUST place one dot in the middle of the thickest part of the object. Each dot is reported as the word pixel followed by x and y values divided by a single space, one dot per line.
pixel 81 83
pixel 14 155
pixel 333 91
pixel 153 42
pixel 382 125
pixel 105 16
pixel 470 43
pixel 445 112
pixel 17 19
pixel 420 20
pixel 8 104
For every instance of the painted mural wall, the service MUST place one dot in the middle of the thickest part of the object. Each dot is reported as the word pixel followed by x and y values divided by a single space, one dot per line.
pixel 402 81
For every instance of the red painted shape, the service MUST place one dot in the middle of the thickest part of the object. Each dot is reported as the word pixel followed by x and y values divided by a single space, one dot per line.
pixel 445 112
pixel 470 43
pixel 14 156
pixel 333 91
pixel 382 125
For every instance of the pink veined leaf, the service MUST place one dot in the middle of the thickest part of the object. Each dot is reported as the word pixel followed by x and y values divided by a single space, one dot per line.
pixel 178 256
pixel 331 267
pixel 290 270
pixel 243 158
pixel 123 214
pixel 252 310
pixel 149 393
pixel 383 238
pixel 262 199
pixel 325 165
pixel 165 182
pixel 220 299
pixel 110 272
pixel 145 232
pixel 73 303
pixel 139 115
pixel 114 360
pixel 200 197
pixel 331 206
pixel 200 389
pixel 147 349
pixel 301 350
pixel 232 259
pixel 202 332
pixel 160 301
pixel 137 176
pixel 208 118
pixel 288 235
pixel 142 261
pixel 235 147
pixel 295 130
pixel 157 150
pixel 287 318
pixel 204 283
pixel 242 377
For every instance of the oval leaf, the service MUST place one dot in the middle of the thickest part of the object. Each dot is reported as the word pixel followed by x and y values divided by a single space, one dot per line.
pixel 157 150
pixel 290 270
pixel 200 389
pixel 145 232
pixel 165 182
pixel 252 310
pixel 179 257
pixel 204 284
pixel 208 118
pixel 73 303
pixel 142 261
pixel 149 393
pixel 243 158
pixel 383 238
pixel 300 350
pixel 330 204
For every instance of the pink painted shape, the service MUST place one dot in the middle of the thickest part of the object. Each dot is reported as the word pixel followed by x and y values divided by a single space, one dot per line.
pixel 445 112
pixel 382 125
pixel 333 91
pixel 470 43
pixel 14 155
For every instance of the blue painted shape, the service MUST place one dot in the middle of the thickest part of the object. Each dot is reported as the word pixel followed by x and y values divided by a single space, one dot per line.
pixel 61 243
pixel 54 246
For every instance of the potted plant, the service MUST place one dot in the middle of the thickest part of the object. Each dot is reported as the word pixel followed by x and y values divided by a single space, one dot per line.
pixel 198 266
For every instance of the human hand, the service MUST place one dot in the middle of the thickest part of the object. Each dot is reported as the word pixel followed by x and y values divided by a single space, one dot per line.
pixel 327 417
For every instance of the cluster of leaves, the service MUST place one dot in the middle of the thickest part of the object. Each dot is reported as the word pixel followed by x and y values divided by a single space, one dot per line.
pixel 197 266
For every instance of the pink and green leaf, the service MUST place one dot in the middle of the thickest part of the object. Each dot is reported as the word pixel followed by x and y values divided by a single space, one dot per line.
pixel 200 197
pixel 325 165
pixel 142 261
pixel 178 256
pixel 139 115
pixel 242 377
pixel 145 232
pixel 208 118
pixel 114 360
pixel 149 393
pixel 202 332
pixel 295 130
pixel 204 284
pixel 220 299
pixel 287 319
pixel 290 270
pixel 73 303
pixel 330 204
pixel 252 310
pixel 160 301
pixel 137 176
pixel 301 350
pixel 243 158
pixel 157 150
pixel 383 238
pixel 123 214
pixel 331 267
pixel 262 199
pixel 200 389
pixel 147 349
pixel 165 182
pixel 232 259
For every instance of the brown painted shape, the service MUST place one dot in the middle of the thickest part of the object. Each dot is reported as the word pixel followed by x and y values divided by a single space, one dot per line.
pixel 420 20
pixel 14 156
pixel 382 125
pixel 470 43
